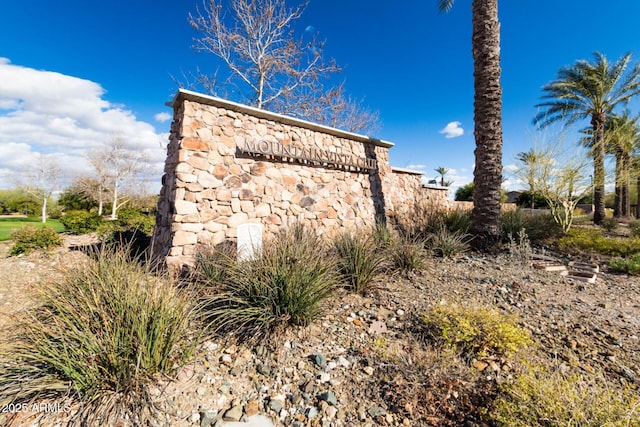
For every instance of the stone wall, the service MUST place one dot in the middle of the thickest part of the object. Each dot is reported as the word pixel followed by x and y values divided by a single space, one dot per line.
pixel 406 196
pixel 229 164
pixel 211 186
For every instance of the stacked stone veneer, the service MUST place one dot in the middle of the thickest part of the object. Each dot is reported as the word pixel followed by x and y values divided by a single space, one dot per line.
pixel 210 186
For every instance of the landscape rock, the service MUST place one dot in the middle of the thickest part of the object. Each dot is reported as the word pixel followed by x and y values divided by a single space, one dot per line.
pixel 570 324
pixel 233 414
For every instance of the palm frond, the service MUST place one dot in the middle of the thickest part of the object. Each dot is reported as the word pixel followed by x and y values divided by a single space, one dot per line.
pixel 445 5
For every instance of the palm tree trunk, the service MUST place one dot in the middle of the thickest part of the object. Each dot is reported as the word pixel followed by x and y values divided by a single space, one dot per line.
pixel 638 201
pixel 488 124
pixel 626 185
pixel 597 121
pixel 617 202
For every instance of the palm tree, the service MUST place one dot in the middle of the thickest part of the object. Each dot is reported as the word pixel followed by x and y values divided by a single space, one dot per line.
pixel 622 137
pixel 442 171
pixel 530 159
pixel 635 167
pixel 590 90
pixel 487 116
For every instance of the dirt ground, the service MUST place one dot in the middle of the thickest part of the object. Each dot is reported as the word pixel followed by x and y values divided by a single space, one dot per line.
pixel 588 327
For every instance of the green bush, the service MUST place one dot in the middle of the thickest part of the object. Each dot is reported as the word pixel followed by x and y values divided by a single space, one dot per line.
pixel 475 331
pixel 445 243
pixel 609 224
pixel 524 200
pixel 630 266
pixel 30 237
pixel 131 230
pixel 285 284
pixel 537 226
pixel 540 398
pixel 634 227
pixel 359 260
pixel 133 219
pixel 512 221
pixel 103 334
pixel 589 239
pixel 81 222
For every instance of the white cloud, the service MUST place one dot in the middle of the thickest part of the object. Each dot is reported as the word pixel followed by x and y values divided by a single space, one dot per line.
pixel 510 168
pixel 63 116
pixel 452 130
pixel 162 117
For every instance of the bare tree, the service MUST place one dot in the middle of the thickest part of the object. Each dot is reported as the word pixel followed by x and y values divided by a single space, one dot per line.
pixel 43 179
pixel 269 67
pixel 115 165
pixel 529 159
pixel 558 176
pixel 98 186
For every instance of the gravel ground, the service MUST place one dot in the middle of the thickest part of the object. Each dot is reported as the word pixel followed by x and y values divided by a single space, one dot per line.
pixel 364 364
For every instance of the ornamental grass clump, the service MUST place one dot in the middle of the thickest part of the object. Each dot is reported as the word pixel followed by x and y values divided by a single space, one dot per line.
pixel 407 254
pixel 284 284
pixel 359 260
pixel 101 335
pixel 446 243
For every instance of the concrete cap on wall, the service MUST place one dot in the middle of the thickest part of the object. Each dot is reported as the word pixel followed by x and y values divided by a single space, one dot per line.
pixel 188 95
pixel 403 170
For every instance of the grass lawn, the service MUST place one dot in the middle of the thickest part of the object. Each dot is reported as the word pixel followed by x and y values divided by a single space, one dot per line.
pixel 8 224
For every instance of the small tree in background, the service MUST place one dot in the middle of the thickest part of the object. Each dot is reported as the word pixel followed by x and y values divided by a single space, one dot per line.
pixel 591 90
pixel 42 180
pixel 528 160
pixel 79 195
pixel 442 171
pixel 465 193
pixel 115 167
pixel 559 177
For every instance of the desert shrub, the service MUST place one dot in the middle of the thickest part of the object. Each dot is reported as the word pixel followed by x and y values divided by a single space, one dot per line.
pixel 540 398
pixel 30 237
pixel 133 219
pixel 542 226
pixel 519 247
pixel 537 226
pixel 359 260
pixel 285 284
pixel 588 239
pixel 455 220
pixel 630 266
pixel 513 221
pixel 475 331
pixel 102 334
pixel 609 224
pixel 81 222
pixel 131 230
pixel 446 243
pixel 430 221
pixel 407 254
pixel 634 227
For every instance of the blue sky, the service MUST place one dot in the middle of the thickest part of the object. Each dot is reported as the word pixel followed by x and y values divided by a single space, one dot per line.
pixel 75 72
